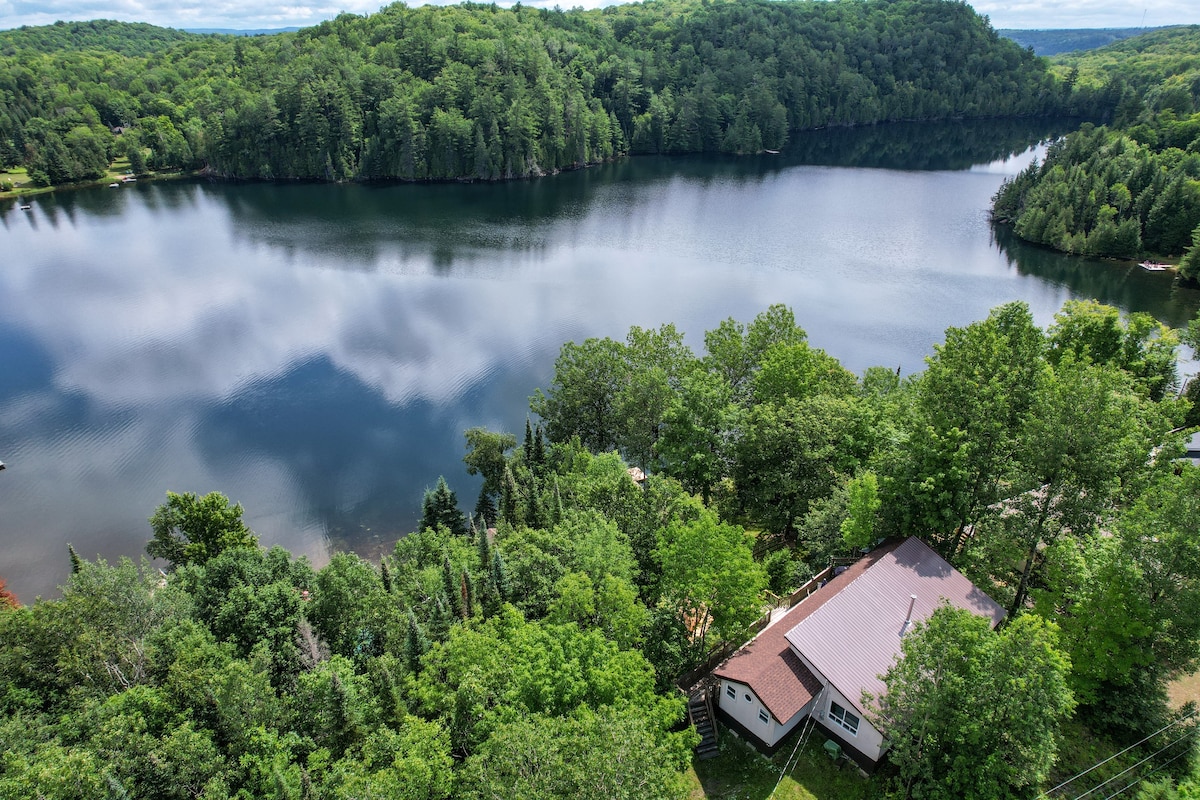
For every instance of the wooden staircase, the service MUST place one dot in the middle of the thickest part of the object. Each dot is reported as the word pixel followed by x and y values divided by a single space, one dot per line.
pixel 701 716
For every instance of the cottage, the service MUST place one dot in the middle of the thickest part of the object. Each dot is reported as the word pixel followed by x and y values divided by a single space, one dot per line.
pixel 819 658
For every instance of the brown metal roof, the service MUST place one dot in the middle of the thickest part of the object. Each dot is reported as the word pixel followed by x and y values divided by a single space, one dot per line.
pixel 855 635
pixel 767 664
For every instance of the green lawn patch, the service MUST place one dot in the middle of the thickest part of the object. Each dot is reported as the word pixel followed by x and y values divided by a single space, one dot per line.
pixel 742 773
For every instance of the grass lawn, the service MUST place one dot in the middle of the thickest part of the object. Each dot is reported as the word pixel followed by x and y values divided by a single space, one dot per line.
pixel 1183 689
pixel 741 773
pixel 19 178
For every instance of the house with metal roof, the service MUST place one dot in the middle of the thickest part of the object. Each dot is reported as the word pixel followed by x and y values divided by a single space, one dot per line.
pixel 827 651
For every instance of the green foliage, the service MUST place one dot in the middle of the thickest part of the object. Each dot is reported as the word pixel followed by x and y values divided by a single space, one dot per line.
pixel 1189 265
pixel 962 431
pixel 858 529
pixel 710 576
pixel 439 506
pixel 1141 346
pixel 1131 189
pixel 794 454
pixel 971 713
pixel 482 92
pixel 349 608
pixel 541 661
pixel 486 456
pixel 190 529
pixel 612 753
pixel 487 674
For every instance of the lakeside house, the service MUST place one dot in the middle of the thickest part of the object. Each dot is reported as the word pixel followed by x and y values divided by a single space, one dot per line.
pixel 819 658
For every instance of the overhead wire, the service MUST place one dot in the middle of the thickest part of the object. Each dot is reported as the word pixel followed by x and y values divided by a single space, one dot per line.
pixel 1134 766
pixel 1098 764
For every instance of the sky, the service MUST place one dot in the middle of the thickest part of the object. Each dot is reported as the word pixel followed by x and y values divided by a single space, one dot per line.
pixel 238 14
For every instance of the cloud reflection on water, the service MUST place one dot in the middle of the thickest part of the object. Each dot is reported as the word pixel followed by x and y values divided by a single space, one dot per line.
pixel 316 351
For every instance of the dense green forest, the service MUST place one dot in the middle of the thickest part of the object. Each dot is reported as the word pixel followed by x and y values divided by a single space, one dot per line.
pixel 1132 188
pixel 479 92
pixel 529 649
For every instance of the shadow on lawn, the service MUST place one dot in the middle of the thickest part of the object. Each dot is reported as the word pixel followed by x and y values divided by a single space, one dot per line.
pixel 740 772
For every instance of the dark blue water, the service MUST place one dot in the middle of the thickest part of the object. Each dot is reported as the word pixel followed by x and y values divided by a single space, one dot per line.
pixel 316 351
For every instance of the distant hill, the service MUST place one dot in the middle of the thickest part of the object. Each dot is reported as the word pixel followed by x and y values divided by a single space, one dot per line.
pixel 1163 59
pixel 481 92
pixel 130 39
pixel 1051 42
pixel 243 31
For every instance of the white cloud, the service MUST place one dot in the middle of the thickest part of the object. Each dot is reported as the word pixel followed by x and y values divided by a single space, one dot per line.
pixel 1089 13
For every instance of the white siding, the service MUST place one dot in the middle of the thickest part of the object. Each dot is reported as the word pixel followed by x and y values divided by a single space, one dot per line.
pixel 868 741
pixel 746 712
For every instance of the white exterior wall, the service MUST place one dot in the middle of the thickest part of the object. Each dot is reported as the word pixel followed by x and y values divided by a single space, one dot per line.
pixel 784 728
pixel 868 741
pixel 746 712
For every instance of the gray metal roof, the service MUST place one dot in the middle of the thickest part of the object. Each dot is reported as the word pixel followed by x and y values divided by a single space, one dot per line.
pixel 855 636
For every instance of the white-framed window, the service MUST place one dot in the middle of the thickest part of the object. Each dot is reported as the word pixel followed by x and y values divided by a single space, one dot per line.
pixel 730 692
pixel 844 718
pixel 748 698
pixel 763 717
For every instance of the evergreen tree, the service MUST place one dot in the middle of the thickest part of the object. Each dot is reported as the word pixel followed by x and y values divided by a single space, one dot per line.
pixel 484 549
pixel 499 576
pixel 509 510
pixel 485 508
pixel 385 576
pixel 452 588
pixel 440 507
pixel 414 643
pixel 539 449
pixel 76 561
pixel 468 595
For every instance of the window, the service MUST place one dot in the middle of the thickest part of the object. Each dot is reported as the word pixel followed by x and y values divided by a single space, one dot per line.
pixel 730 692
pixel 844 718
pixel 762 717
pixel 747 696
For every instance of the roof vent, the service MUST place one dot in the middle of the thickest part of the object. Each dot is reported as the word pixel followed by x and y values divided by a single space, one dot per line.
pixel 912 602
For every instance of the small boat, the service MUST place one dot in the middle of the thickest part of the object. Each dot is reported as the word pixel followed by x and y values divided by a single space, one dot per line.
pixel 129 179
pixel 25 207
pixel 114 186
pixel 771 152
pixel 1154 266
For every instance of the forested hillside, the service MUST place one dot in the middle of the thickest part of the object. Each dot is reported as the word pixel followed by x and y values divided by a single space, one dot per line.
pixel 1132 188
pixel 1053 41
pixel 481 92
pixel 537 659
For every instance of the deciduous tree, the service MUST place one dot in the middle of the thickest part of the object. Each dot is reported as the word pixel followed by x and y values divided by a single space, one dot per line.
pixel 972 714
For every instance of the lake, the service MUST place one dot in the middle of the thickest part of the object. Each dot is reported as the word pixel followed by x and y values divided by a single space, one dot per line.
pixel 316 351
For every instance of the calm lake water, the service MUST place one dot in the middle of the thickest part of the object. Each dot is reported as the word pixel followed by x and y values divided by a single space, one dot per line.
pixel 315 352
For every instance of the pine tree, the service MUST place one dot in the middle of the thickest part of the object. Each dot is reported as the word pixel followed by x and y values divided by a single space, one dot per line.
pixel 485 508
pixel 440 507
pixel 451 587
pixel 414 644
pixel 539 449
pixel 499 576
pixel 484 548
pixel 528 446
pixel 468 595
pixel 534 516
pixel 508 499
pixel 76 561
pixel 385 576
